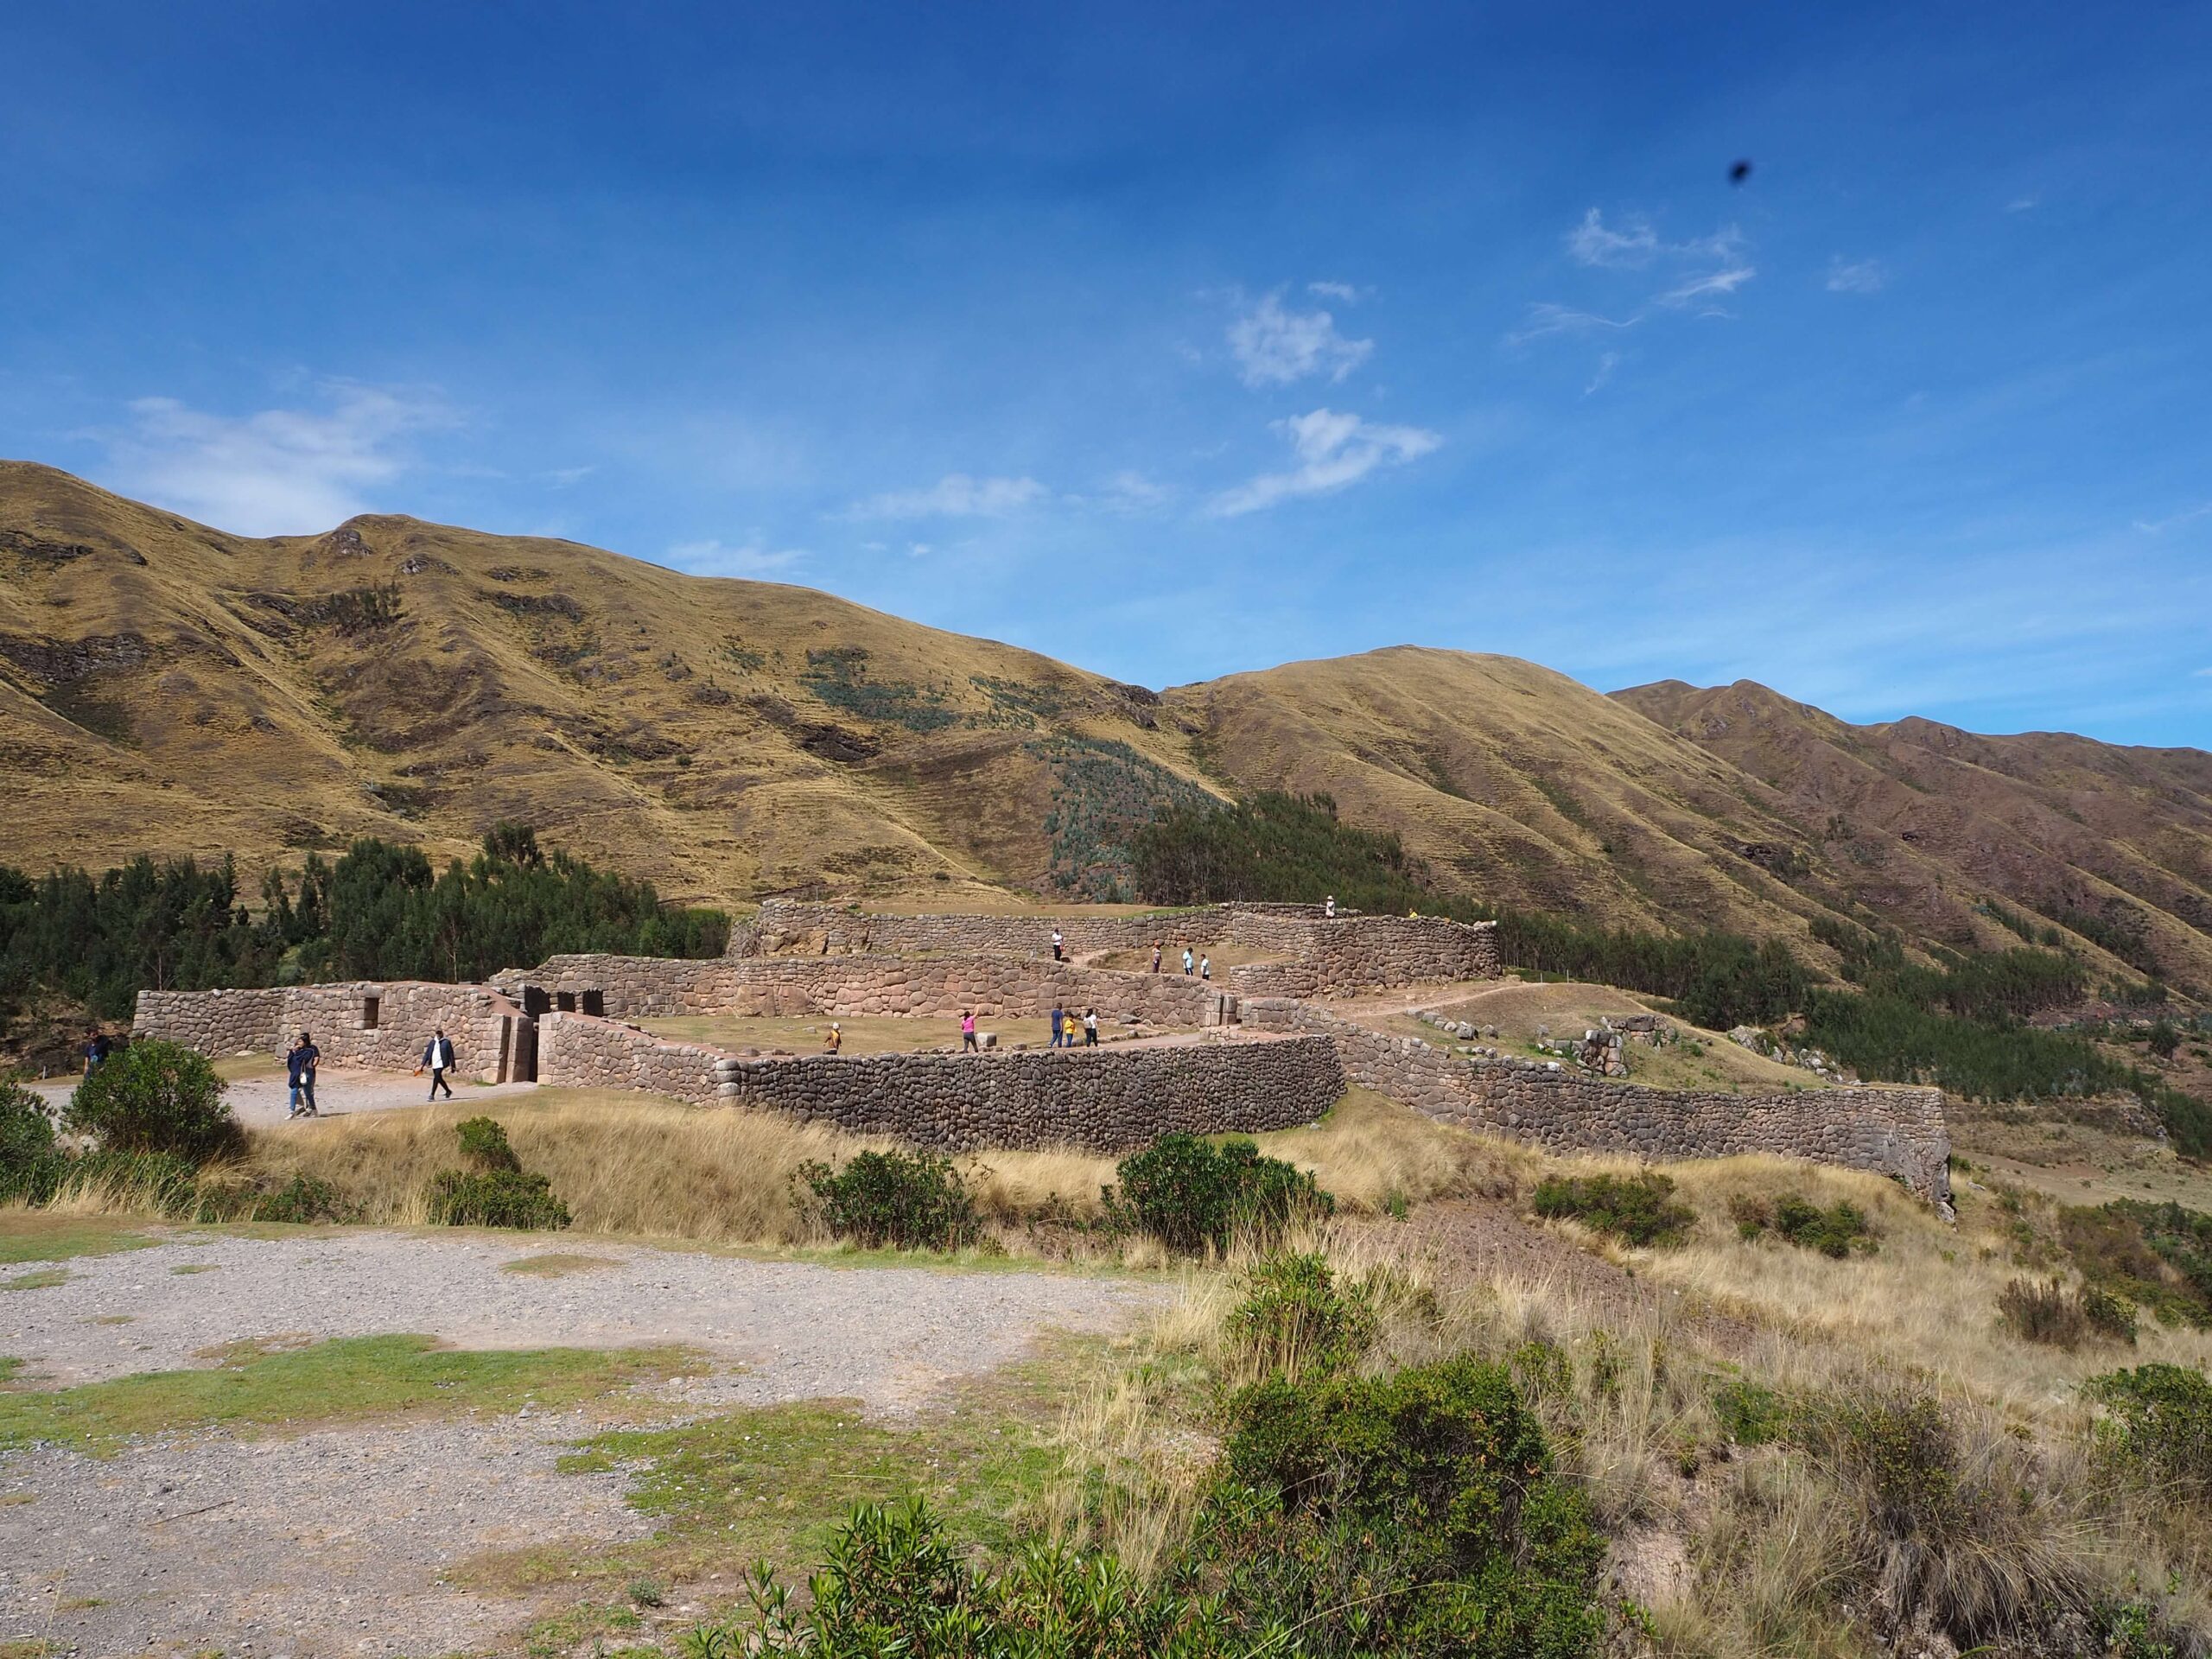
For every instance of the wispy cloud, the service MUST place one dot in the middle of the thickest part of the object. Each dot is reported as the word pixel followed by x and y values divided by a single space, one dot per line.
pixel 1594 242
pixel 1133 492
pixel 712 557
pixel 1856 275
pixel 561 477
pixel 957 495
pixel 1349 294
pixel 1712 284
pixel 278 471
pixel 1545 318
pixel 1607 362
pixel 2023 204
pixel 1333 451
pixel 2160 526
pixel 1274 347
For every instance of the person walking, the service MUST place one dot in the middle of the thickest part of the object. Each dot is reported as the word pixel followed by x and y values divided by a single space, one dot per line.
pixel 1059 1024
pixel 1090 1027
pixel 97 1050
pixel 1205 967
pixel 1329 907
pixel 835 1040
pixel 1057 941
pixel 437 1060
pixel 1186 961
pixel 1156 955
pixel 300 1063
pixel 967 1030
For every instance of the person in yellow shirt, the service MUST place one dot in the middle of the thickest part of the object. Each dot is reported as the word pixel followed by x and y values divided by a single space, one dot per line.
pixel 834 1041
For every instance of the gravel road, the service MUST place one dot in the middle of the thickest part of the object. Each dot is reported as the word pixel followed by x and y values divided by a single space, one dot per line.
pixel 206 1542
pixel 257 1102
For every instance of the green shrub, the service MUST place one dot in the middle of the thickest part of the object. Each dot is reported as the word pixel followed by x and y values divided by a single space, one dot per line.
pixel 1416 1513
pixel 303 1199
pixel 30 1163
pixel 500 1198
pixel 1639 1211
pixel 1297 1319
pixel 2160 1424
pixel 2045 1311
pixel 1191 1194
pixel 484 1143
pixel 156 1096
pixel 1836 1231
pixel 1750 1414
pixel 909 1201
pixel 2157 1255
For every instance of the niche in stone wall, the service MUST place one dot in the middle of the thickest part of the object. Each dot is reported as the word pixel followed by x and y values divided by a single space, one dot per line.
pixel 372 1012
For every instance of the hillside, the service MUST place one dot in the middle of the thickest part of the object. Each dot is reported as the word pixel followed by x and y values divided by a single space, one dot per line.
pixel 165 687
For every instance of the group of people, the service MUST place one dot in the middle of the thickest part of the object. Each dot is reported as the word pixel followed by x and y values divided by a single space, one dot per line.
pixel 1065 1024
pixel 1200 965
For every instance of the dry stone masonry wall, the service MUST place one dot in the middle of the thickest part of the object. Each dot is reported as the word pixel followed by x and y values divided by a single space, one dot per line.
pixel 1893 1131
pixel 385 1025
pixel 1108 1100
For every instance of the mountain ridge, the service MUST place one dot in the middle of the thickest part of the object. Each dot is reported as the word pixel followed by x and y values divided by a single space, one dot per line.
pixel 168 687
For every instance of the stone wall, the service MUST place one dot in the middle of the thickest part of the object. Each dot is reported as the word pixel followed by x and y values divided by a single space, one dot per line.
pixel 1357 953
pixel 1109 1100
pixel 214 1023
pixel 788 927
pixel 1892 1131
pixel 637 987
pixel 484 1025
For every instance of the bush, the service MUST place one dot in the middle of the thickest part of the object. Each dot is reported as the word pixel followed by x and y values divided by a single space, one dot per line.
pixel 303 1199
pixel 2047 1312
pixel 1640 1211
pixel 2160 1424
pixel 484 1143
pixel 1836 1231
pixel 156 1096
pixel 1191 1194
pixel 1297 1320
pixel 502 1198
pixel 1416 1513
pixel 29 1161
pixel 909 1201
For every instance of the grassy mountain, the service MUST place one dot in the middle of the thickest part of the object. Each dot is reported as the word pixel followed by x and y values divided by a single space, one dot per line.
pixel 165 687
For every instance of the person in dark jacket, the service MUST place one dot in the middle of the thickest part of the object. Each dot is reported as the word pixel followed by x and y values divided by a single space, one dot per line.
pixel 97 1050
pixel 437 1060
pixel 300 1067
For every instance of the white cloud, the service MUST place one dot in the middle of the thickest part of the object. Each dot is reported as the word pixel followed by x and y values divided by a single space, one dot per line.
pixel 712 557
pixel 1275 348
pixel 1592 244
pixel 1333 451
pixel 2160 526
pixel 1345 291
pixel 1607 362
pixel 1720 282
pixel 2023 204
pixel 1856 275
pixel 1545 318
pixel 2201 674
pixel 561 477
pixel 955 495
pixel 280 471
pixel 1132 491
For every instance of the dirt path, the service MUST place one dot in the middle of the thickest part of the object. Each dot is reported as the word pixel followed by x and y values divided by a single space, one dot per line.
pixel 330 1541
pixel 257 1102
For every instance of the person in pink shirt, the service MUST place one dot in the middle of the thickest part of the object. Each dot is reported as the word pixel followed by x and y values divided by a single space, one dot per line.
pixel 966 1029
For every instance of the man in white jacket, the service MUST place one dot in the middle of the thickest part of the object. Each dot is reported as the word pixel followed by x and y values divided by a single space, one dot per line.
pixel 437 1060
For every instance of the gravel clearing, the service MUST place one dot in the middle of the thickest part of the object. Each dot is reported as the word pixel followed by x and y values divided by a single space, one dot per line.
pixel 329 1541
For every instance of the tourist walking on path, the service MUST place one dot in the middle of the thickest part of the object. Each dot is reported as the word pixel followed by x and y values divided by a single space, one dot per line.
pixel 1205 967
pixel 1059 1024
pixel 1156 955
pixel 1329 907
pixel 1057 943
pixel 1186 960
pixel 96 1052
pixel 1090 1027
pixel 835 1040
pixel 300 1063
pixel 437 1060
pixel 967 1030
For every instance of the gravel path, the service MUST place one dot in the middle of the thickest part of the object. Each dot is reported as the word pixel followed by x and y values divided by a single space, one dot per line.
pixel 205 1541
pixel 259 1101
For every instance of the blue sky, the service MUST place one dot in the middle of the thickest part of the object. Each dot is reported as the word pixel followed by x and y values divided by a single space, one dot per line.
pixel 1182 340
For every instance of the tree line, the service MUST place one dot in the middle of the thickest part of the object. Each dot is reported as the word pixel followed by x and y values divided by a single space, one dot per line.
pixel 381 912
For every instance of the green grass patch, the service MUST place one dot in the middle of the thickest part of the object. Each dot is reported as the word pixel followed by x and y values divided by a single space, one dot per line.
pixel 558 1264
pixel 37 1279
pixel 350 1379
pixel 9 1366
pixel 193 1266
pixel 28 1236
pixel 1640 1210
